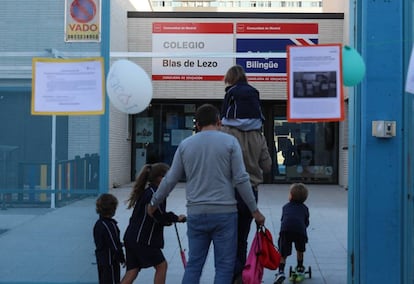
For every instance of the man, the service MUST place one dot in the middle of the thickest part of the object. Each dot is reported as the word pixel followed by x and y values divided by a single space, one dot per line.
pixel 212 163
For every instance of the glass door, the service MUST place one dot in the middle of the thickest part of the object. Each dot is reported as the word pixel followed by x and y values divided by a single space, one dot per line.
pixel 305 152
pixel 157 132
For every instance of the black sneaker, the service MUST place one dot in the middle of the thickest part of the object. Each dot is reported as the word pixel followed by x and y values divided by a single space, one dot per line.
pixel 280 277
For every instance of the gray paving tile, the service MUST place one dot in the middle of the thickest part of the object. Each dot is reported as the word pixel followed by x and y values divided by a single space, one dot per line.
pixel 56 245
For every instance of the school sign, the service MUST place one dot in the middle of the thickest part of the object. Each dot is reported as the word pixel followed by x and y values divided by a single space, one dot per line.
pixel 210 38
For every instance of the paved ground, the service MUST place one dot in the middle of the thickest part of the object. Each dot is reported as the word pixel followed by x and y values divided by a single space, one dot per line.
pixel 56 245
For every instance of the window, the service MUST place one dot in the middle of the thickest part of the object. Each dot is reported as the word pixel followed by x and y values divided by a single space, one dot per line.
pixel 305 152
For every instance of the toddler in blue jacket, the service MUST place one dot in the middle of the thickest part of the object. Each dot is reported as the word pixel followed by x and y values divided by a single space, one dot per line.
pixel 294 222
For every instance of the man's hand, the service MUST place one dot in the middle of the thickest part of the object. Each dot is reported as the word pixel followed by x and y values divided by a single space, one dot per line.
pixel 258 217
pixel 151 209
pixel 182 218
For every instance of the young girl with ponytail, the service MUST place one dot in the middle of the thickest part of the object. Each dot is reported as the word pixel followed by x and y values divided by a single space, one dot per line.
pixel 144 236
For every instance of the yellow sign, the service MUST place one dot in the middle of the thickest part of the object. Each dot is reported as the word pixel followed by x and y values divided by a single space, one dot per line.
pixel 82 20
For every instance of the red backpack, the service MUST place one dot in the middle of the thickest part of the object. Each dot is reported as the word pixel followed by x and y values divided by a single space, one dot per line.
pixel 269 256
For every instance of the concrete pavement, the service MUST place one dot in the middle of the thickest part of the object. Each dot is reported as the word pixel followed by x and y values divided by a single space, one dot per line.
pixel 41 245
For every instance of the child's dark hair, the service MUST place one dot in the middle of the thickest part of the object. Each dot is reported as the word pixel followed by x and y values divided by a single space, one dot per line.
pixel 106 205
pixel 207 114
pixel 149 173
pixel 235 75
pixel 299 192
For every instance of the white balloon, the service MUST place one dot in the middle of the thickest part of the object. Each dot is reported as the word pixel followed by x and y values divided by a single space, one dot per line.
pixel 129 87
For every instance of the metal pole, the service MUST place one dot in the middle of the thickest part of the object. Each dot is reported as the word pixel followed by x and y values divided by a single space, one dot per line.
pixel 104 123
pixel 53 163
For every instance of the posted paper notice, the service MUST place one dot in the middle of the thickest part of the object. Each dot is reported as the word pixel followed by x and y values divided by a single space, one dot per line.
pixel 315 90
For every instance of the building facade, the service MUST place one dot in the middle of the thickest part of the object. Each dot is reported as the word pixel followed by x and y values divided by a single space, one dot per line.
pixel 124 128
pixel 301 151
pixel 26 154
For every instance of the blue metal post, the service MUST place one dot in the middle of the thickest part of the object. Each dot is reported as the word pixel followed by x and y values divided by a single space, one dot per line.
pixel 376 181
pixel 104 127
pixel 353 167
pixel 409 151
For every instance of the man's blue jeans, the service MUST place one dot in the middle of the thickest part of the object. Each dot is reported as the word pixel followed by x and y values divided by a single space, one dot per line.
pixel 202 229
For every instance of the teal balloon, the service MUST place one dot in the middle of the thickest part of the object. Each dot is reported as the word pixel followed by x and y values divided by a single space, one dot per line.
pixel 353 67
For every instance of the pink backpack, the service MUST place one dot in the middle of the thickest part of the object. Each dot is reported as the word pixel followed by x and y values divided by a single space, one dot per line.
pixel 253 270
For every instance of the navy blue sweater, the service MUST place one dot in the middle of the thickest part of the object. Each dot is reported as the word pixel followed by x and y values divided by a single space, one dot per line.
pixel 295 218
pixel 108 245
pixel 144 229
pixel 241 101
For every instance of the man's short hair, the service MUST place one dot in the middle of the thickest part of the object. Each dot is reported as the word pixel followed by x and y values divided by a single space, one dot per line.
pixel 207 114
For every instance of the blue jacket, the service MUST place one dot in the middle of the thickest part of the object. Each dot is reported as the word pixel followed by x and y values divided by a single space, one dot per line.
pixel 241 101
pixel 144 229
pixel 295 218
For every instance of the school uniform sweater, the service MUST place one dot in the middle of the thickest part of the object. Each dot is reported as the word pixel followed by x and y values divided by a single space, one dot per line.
pixel 241 101
pixel 107 241
pixel 142 228
pixel 295 218
pixel 212 163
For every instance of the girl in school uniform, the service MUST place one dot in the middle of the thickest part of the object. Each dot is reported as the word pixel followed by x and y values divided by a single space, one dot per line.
pixel 144 236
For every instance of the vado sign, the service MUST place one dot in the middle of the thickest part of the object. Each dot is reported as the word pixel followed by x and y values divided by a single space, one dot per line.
pixel 83 20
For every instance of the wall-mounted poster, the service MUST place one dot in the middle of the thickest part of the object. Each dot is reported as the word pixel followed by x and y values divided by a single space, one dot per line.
pixel 315 90
pixel 68 86
pixel 144 130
